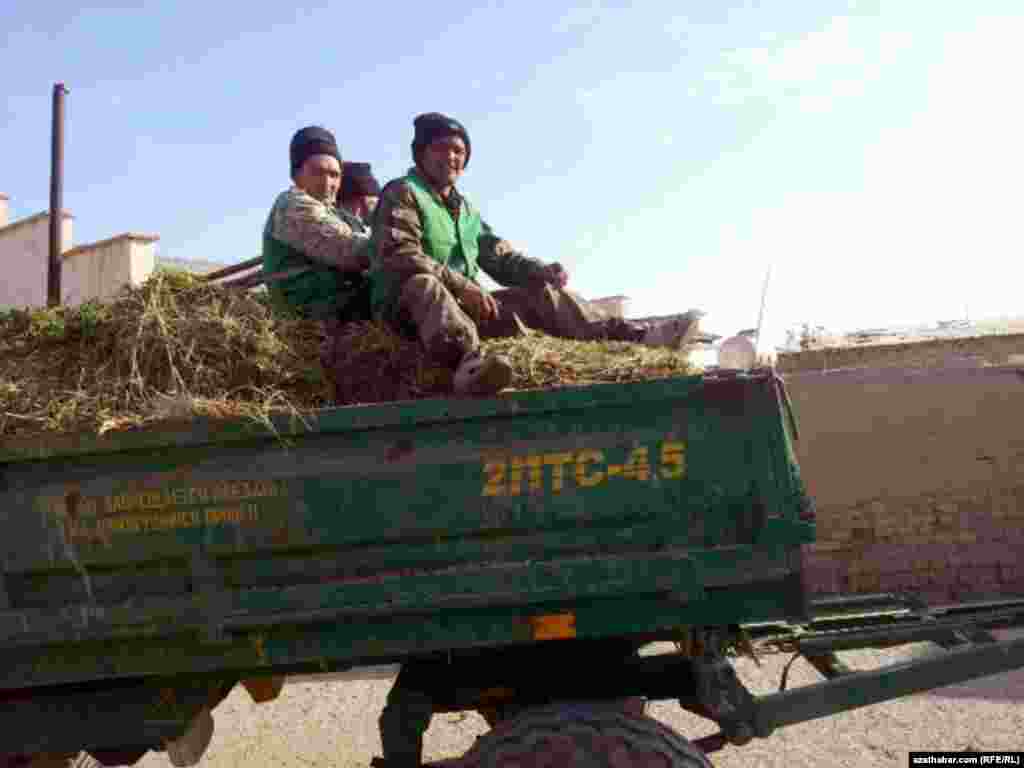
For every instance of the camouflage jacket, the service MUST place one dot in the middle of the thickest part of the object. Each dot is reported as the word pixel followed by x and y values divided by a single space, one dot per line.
pixel 324 234
pixel 399 250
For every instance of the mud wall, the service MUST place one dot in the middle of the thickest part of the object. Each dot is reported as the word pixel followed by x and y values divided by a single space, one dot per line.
pixel 918 478
pixel 996 349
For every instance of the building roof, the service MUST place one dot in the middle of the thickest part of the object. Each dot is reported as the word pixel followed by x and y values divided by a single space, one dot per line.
pixel 137 236
pixel 31 220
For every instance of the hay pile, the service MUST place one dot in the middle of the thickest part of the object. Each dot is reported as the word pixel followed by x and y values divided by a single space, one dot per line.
pixel 176 347
pixel 374 364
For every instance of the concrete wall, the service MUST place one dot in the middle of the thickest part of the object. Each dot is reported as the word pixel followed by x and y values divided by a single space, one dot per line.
pixel 24 253
pixel 918 477
pixel 99 270
pixel 994 349
pixel 93 270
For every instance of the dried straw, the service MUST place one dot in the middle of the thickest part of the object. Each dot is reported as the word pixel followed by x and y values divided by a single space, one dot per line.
pixel 177 347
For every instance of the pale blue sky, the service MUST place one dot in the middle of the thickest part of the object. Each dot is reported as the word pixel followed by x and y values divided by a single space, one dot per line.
pixel 870 151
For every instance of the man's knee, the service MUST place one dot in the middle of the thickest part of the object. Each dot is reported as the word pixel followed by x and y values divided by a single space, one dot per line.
pixel 420 288
pixel 446 332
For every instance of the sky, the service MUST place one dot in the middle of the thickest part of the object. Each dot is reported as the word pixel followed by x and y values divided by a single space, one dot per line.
pixel 867 152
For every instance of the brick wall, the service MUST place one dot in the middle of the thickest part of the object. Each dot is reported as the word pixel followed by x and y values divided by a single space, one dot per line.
pixel 918 478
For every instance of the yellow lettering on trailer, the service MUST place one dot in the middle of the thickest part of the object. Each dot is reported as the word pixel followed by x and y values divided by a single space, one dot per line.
pixel 557 462
pixel 495 483
pixel 243 515
pixel 191 495
pixel 515 475
pixel 163 510
pixel 585 478
pixel 673 459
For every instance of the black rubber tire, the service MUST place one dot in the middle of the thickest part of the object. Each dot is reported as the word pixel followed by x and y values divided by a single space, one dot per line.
pixel 592 735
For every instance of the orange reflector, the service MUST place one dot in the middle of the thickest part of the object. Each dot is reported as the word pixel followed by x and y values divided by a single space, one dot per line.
pixel 553 626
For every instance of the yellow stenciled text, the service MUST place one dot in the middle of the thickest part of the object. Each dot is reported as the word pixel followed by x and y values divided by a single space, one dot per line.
pixel 588 468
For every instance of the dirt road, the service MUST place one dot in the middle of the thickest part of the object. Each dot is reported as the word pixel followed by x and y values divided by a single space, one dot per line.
pixel 327 724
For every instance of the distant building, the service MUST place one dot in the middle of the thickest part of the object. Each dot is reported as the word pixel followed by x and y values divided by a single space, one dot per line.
pixel 811 338
pixel 89 271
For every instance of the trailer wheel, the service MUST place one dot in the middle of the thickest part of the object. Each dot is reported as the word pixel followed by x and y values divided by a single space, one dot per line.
pixel 596 735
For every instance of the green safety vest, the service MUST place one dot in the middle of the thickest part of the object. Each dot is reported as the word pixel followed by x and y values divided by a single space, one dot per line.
pixel 450 243
pixel 319 293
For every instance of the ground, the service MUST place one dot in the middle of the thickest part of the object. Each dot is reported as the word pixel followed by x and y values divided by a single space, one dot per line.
pixel 334 724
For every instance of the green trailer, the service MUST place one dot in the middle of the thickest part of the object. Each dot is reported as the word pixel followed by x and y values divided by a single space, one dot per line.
pixel 511 555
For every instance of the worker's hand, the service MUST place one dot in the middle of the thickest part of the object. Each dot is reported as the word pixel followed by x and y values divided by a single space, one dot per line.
pixel 361 250
pixel 479 304
pixel 556 275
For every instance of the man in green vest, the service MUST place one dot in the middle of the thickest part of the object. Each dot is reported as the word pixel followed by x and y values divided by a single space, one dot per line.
pixel 430 246
pixel 322 251
pixel 360 192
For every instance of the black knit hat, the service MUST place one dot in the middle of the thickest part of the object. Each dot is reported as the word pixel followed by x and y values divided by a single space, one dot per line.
pixel 309 141
pixel 434 125
pixel 358 179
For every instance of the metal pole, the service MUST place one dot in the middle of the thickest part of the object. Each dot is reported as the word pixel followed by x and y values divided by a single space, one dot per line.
pixel 53 296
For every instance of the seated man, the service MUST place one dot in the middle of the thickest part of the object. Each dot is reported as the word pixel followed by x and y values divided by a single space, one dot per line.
pixel 326 250
pixel 431 244
pixel 359 193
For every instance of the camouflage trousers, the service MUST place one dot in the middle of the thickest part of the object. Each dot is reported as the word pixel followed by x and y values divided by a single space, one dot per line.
pixel 448 333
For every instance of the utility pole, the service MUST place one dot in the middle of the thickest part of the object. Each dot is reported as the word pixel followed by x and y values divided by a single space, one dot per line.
pixel 53 295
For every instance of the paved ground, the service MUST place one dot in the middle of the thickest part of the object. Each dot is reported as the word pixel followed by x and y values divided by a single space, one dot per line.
pixel 325 724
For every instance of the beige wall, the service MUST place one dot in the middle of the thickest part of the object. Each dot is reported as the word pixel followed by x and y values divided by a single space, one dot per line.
pixel 995 349
pixel 99 270
pixel 94 270
pixel 918 478
pixel 4 210
pixel 24 253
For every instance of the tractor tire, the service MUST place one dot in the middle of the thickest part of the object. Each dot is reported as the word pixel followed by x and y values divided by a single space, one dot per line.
pixel 591 735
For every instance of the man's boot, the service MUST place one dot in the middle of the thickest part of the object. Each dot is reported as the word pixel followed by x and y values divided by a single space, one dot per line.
pixel 482 375
pixel 675 332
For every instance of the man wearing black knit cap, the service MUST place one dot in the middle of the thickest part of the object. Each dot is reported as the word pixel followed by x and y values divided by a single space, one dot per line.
pixel 359 192
pixel 324 248
pixel 431 245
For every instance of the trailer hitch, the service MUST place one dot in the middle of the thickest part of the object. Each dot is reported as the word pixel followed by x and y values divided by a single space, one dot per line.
pixel 720 696
pixel 724 699
pixel 859 689
pixel 851 690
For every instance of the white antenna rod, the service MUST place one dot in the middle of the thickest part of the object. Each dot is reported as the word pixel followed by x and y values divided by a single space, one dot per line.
pixel 760 314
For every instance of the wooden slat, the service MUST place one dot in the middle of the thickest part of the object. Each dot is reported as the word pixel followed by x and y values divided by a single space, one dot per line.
pixel 259 278
pixel 234 269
